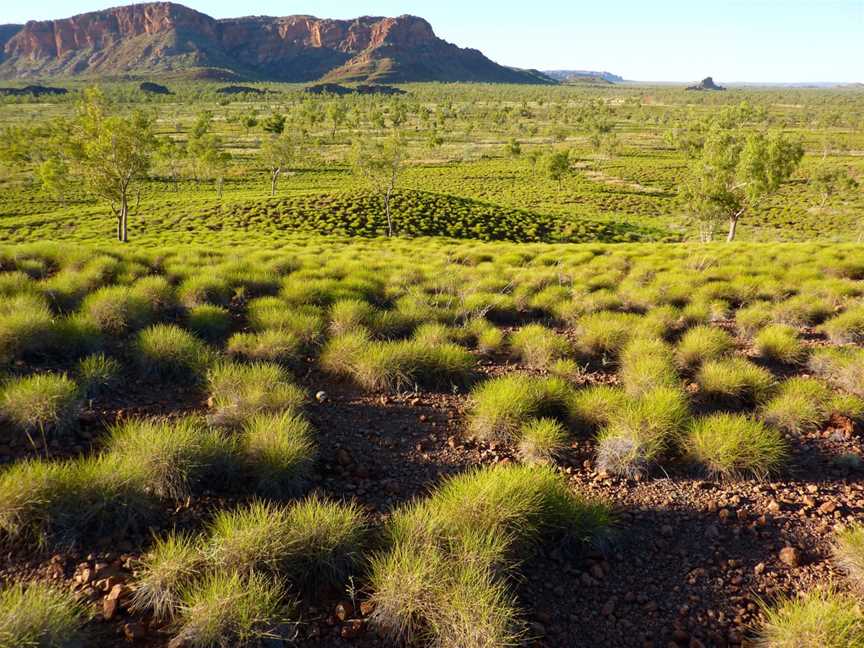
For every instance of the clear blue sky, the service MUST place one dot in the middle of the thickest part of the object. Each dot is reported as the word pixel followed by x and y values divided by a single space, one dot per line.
pixel 668 40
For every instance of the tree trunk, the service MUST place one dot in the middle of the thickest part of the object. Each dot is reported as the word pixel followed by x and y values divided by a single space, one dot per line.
pixel 733 226
pixel 273 181
pixel 387 211
pixel 122 225
pixel 219 182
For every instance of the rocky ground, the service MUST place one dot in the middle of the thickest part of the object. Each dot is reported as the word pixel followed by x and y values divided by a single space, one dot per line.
pixel 687 564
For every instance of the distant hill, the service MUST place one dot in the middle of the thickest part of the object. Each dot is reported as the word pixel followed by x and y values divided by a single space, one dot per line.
pixel 582 75
pixel 166 37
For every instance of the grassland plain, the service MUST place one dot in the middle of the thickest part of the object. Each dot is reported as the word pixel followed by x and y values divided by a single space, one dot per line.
pixel 533 416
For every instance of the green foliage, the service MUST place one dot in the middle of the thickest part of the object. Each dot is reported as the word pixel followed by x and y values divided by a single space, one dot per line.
pixel 779 342
pixel 40 615
pixel 239 391
pixel 541 440
pixel 703 343
pixel 735 379
pixel 848 553
pixel 539 347
pixel 823 617
pixel 96 374
pixel 732 445
pixel 279 449
pixel 168 352
pixel 42 404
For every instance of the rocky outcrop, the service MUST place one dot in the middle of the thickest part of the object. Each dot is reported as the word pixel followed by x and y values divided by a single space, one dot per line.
pixel 706 84
pixel 32 91
pixel 164 36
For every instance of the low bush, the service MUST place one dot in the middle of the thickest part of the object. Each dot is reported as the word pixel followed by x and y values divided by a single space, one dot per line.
pixel 41 616
pixel 538 346
pixel 731 445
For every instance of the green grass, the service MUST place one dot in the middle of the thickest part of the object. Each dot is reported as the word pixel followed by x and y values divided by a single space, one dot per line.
pixel 735 380
pixel 40 615
pixel 168 352
pixel 165 572
pixel 779 342
pixel 538 346
pixel 274 345
pixel 846 328
pixel 238 392
pixel 730 445
pixel 646 364
pixel 800 405
pixel 701 344
pixel 41 406
pixel 279 450
pixel 97 374
pixel 209 322
pixel 823 617
pixel 540 441
pixel 848 554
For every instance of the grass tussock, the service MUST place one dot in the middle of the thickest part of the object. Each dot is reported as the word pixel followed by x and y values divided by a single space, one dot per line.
pixel 823 617
pixel 779 342
pixel 848 553
pixel 278 449
pixel 538 346
pixel 646 364
pixel 846 328
pixel 41 616
pixel 735 380
pixel 96 374
pixel 168 352
pixel 41 405
pixel 593 407
pixel 732 445
pixel 701 344
pixel 240 391
pixel 541 441
pixel 502 405
pixel 274 345
pixel 804 404
pixel 165 572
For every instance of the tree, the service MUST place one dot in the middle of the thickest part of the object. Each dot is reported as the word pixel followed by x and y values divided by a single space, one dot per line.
pixel 277 153
pixel 249 120
pixel 380 164
pixel 830 180
pixel 557 166
pixel 205 151
pixel 170 154
pixel 55 178
pixel 274 124
pixel 113 152
pixel 735 172
pixel 512 148
pixel 337 112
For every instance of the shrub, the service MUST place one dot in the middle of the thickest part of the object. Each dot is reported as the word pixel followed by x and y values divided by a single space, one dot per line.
pixel 541 440
pixel 168 352
pixel 735 379
pixel 231 609
pixel 47 404
pixel 239 391
pixel 97 373
pixel 209 322
pixel 40 615
pixel 642 432
pixel 278 449
pixel 172 458
pixel 502 405
pixel 732 445
pixel 274 345
pixel 703 343
pixel 849 554
pixel 165 572
pixel 779 342
pixel 646 364
pixel 823 618
pixel 847 327
pixel 538 347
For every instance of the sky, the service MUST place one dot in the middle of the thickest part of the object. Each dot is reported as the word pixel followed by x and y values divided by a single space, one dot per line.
pixel 648 40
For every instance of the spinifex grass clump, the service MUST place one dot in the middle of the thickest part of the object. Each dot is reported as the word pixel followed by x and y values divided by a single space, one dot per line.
pixel 116 310
pixel 97 373
pixel 642 432
pixel 849 554
pixel 823 617
pixel 804 404
pixel 605 332
pixel 239 391
pixel 383 365
pixel 41 406
pixel 847 327
pixel 844 367
pixel 780 342
pixel 231 609
pixel 732 445
pixel 593 407
pixel 26 327
pixel 168 352
pixel 165 572
pixel 172 459
pixel 210 323
pixel 538 346
pixel 274 345
pixel 41 616
pixel 278 449
pixel 442 580
pixel 503 405
pixel 646 364
pixel 541 440
pixel 735 380
pixel 703 343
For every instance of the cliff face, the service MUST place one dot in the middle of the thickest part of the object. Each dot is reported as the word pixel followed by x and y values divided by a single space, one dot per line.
pixel 164 36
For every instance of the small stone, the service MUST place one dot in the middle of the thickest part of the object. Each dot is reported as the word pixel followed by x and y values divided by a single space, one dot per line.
pixel 774 506
pixel 134 631
pixel 353 628
pixel 790 556
pixel 608 608
pixel 367 608
pixel 321 396
pixel 343 457
pixel 667 530
pixel 827 508
pixel 759 569
pixel 344 610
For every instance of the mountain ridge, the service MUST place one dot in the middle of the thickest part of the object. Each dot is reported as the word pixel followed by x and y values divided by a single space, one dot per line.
pixel 170 37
